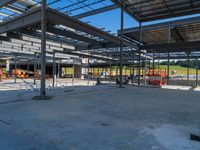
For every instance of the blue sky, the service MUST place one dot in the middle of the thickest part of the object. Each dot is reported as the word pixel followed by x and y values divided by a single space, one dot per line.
pixel 111 20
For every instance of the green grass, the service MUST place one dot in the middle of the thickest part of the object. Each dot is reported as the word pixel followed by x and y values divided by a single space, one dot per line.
pixel 179 70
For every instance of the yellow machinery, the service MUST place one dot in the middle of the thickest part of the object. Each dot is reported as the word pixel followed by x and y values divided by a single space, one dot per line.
pixel 20 73
pixel 2 74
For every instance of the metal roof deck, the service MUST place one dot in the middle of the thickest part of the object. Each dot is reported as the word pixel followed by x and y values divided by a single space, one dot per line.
pixel 149 10
pixel 181 34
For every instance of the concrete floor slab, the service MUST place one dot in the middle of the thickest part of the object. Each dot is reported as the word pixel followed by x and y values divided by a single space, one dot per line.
pixel 103 118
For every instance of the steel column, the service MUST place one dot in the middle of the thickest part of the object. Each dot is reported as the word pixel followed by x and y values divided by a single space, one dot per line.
pixel 54 70
pixel 168 53
pixel 188 65
pixel 110 71
pixel 117 66
pixel 153 65
pixel 35 68
pixel 197 71
pixel 43 49
pixel 88 70
pixel 158 64
pixel 133 67
pixel 98 70
pixel 15 68
pixel 145 70
pixel 121 46
pixel 28 67
pixel 139 61
pixel 168 67
pixel 73 73
pixel 58 74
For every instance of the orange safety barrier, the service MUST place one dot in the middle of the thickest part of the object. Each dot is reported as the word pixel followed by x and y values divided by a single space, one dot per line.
pixel 157 77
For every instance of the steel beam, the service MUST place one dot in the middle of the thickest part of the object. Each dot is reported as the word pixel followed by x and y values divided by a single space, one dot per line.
pixel 73 35
pixel 164 25
pixel 176 35
pixel 27 19
pixel 6 2
pixel 176 47
pixel 120 4
pixel 86 55
pixel 96 11
pixel 55 17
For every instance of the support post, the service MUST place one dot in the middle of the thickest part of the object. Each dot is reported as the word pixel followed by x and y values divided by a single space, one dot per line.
pixel 159 63
pixel 197 71
pixel 88 70
pixel 168 53
pixel 98 72
pixel 153 65
pixel 139 61
pixel 110 71
pixel 149 64
pixel 15 68
pixel 121 46
pixel 28 67
pixel 168 67
pixel 117 66
pixel 188 65
pixel 54 70
pixel 8 67
pixel 145 70
pixel 43 50
pixel 35 68
pixel 58 74
pixel 133 67
pixel 73 73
